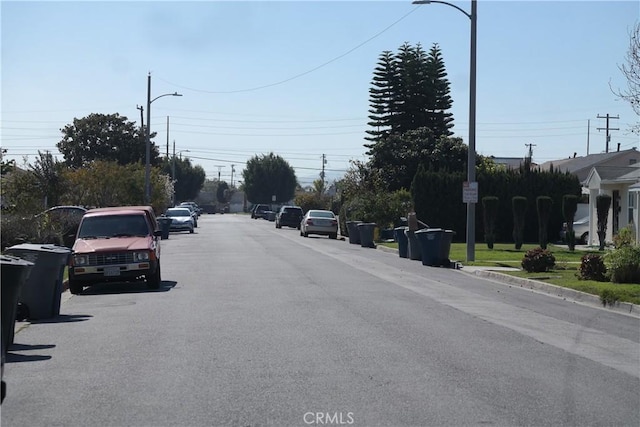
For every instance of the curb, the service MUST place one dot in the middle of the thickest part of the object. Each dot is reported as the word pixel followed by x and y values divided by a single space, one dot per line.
pixel 559 291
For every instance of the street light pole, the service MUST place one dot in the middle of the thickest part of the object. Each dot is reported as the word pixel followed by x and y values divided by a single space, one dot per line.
pixel 147 169
pixel 471 156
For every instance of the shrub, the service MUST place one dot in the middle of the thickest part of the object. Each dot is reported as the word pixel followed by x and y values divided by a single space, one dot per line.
pixel 603 202
pixel 592 267
pixel 538 260
pixel 519 207
pixel 625 237
pixel 490 207
pixel 624 264
pixel 543 206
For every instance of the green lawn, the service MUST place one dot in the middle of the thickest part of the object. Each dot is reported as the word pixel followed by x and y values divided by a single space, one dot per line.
pixel 564 273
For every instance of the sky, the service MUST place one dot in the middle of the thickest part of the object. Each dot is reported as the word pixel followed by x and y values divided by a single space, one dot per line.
pixel 293 77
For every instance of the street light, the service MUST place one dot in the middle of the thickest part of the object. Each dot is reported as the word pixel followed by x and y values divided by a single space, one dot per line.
pixel 471 158
pixel 147 170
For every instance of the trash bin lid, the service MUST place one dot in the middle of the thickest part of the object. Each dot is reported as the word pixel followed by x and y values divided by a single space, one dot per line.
pixel 365 224
pixel 430 230
pixel 14 261
pixel 35 247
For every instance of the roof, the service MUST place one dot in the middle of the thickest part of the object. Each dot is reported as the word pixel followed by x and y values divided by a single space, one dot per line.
pixel 581 166
pixel 125 210
pixel 615 174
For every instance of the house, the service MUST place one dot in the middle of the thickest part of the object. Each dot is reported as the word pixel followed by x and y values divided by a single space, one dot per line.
pixel 622 183
pixel 581 166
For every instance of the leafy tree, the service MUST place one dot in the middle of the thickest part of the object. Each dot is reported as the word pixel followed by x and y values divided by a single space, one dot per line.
pixel 50 180
pixel 631 70
pixel 188 179
pixel 399 156
pixel 6 165
pixel 106 137
pixel 381 96
pixel 223 193
pixel 410 90
pixel 269 175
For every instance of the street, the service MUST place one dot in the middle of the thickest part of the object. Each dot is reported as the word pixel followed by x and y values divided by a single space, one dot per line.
pixel 254 325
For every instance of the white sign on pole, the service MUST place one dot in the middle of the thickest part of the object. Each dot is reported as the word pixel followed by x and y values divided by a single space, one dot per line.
pixel 469 192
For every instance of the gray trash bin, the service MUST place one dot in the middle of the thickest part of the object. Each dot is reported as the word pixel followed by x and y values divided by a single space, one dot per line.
pixel 42 291
pixel 354 234
pixel 365 229
pixel 445 247
pixel 403 243
pixel 14 273
pixel 413 247
pixel 430 240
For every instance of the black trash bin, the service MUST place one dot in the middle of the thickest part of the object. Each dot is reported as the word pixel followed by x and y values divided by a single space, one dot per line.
pixel 165 226
pixel 401 238
pixel 354 234
pixel 42 291
pixel 413 247
pixel 14 273
pixel 430 240
pixel 366 229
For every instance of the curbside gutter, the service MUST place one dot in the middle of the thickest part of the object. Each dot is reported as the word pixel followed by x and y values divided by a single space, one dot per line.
pixel 558 291
pixel 536 285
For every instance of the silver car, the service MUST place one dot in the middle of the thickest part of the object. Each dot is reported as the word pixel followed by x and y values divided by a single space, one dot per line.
pixel 181 219
pixel 320 222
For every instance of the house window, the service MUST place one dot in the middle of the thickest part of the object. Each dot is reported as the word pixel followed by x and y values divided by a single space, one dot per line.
pixel 632 205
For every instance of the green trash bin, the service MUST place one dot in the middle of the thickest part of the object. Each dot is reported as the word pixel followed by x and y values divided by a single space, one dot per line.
pixel 403 243
pixel 430 240
pixel 165 226
pixel 365 229
pixel 42 291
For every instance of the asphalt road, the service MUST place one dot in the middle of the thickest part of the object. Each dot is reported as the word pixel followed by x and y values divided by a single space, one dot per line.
pixel 258 326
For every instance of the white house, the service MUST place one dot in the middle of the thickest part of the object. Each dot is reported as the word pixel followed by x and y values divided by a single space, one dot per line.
pixel 622 183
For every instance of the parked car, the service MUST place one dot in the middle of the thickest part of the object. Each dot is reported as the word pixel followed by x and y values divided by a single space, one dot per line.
pixel 580 229
pixel 260 211
pixel 116 244
pixel 289 216
pixel 181 219
pixel 192 209
pixel 59 224
pixel 319 222
pixel 197 209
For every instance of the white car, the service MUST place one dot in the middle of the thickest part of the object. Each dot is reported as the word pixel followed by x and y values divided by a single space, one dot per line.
pixel 580 229
pixel 320 222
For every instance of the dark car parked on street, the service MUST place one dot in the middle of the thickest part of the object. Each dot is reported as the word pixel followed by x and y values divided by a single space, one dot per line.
pixel 260 211
pixel 289 216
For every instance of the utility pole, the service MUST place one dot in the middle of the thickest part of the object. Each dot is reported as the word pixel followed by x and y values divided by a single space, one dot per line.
pixel 324 162
pixel 141 108
pixel 608 128
pixel 588 134
pixel 219 168
pixel 530 150
pixel 168 138
pixel 233 169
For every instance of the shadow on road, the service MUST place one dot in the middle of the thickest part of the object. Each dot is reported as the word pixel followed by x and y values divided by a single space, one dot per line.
pixel 126 288
pixel 12 357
